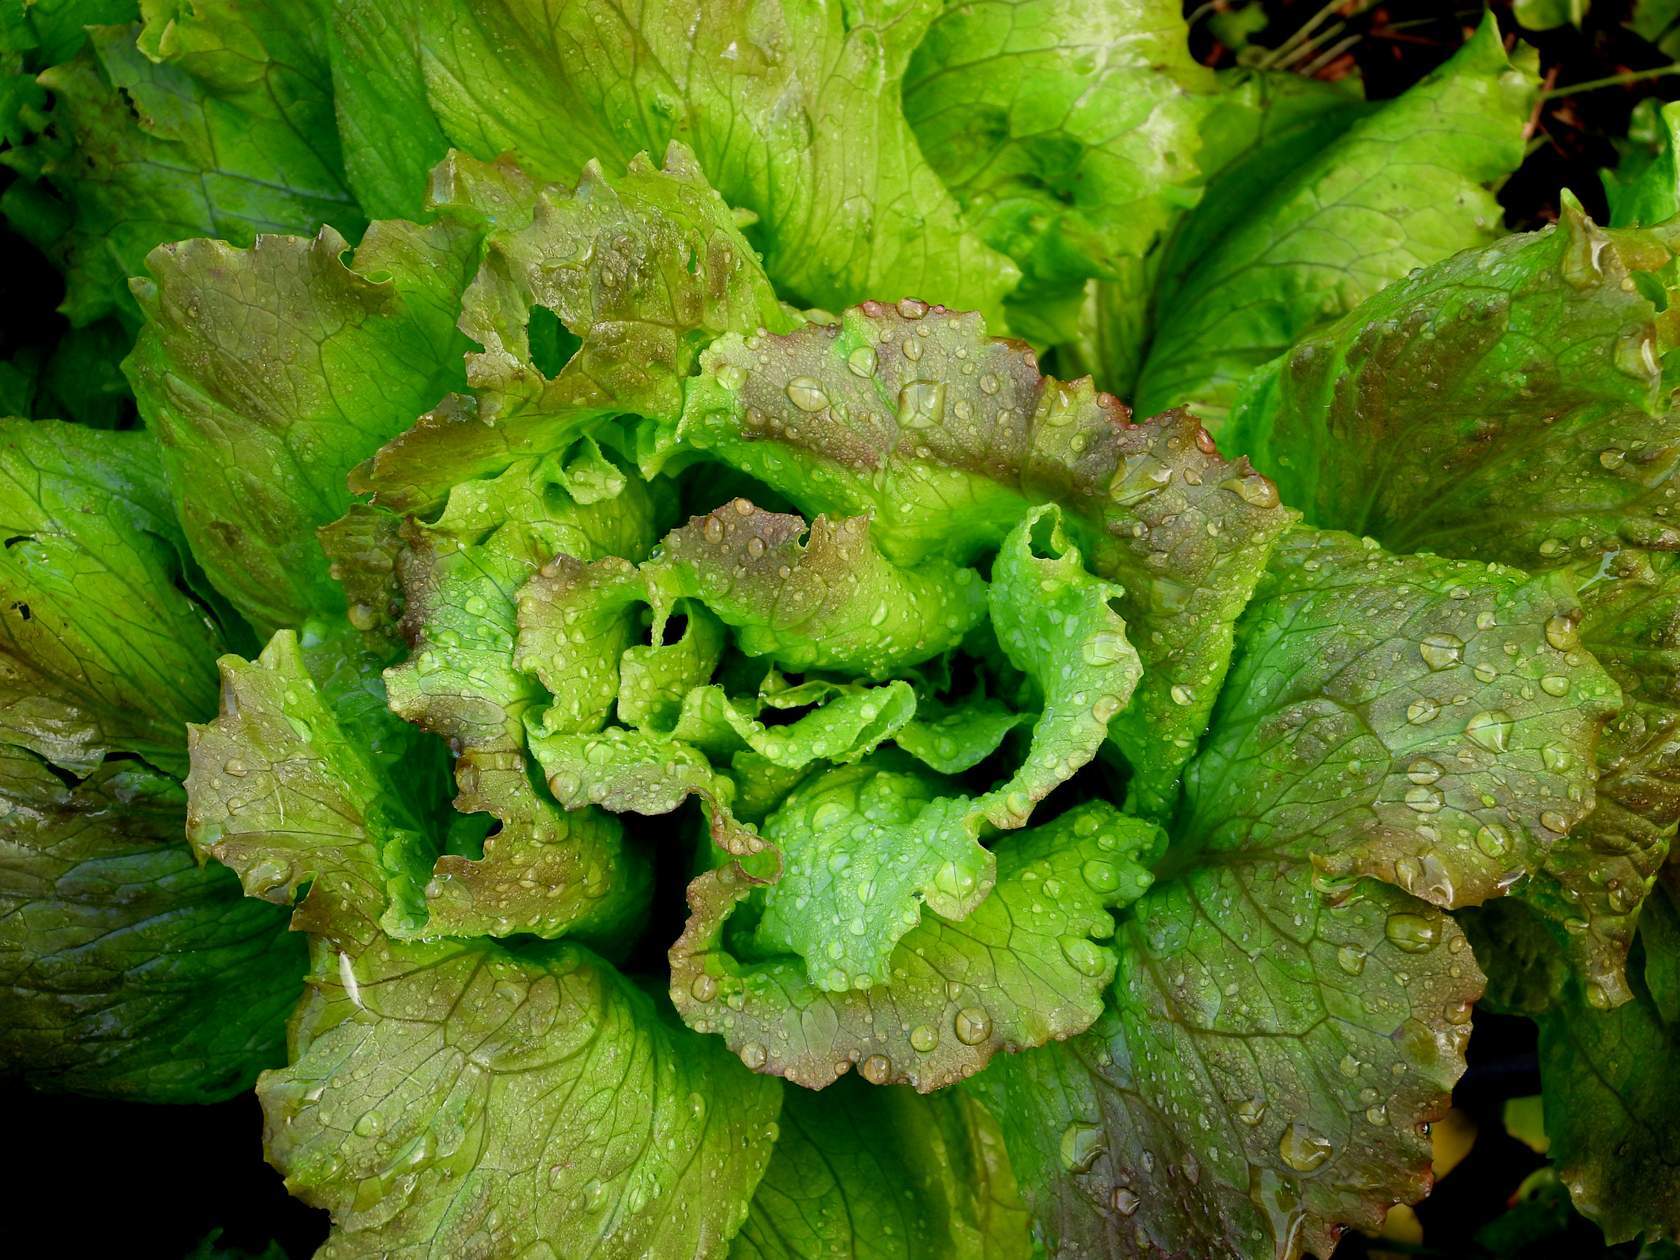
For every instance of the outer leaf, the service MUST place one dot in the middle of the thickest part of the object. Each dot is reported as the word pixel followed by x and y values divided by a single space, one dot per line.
pixel 101 649
pixel 210 120
pixel 1068 133
pixel 1525 381
pixel 1644 189
pixel 641 269
pixel 946 438
pixel 268 373
pixel 1256 124
pixel 1609 1086
pixel 793 110
pixel 1263 1072
pixel 883 1174
pixel 126 970
pixel 1606 1074
pixel 1410 718
pixel 283 794
pixel 1022 968
pixel 467 1099
pixel 1402 187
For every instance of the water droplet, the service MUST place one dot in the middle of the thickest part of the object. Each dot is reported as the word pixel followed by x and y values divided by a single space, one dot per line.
pixel 921 404
pixel 1125 1200
pixel 1563 633
pixel 236 768
pixel 731 376
pixel 1557 758
pixel 1555 685
pixel 703 987
pixel 1491 729
pixel 753 1055
pixel 1100 875
pixel 1422 710
pixel 1493 839
pixel 1253 489
pixel 1182 694
pixel 1413 933
pixel 973 1025
pixel 876 1069
pixel 923 1038
pixel 862 361
pixel 912 308
pixel 1351 959
pixel 1424 800
pixel 1083 956
pixel 806 394
pixel 1423 770
pixel 1302 1149
pixel 1441 651
pixel 1106 649
pixel 1251 1111
pixel 1611 457
pixel 1082 1144
pixel 1552 820
pixel 362 616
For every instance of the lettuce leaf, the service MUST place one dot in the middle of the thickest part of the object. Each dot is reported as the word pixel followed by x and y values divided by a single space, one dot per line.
pixel 466 1096
pixel 208 120
pixel 128 971
pixel 793 111
pixel 1527 381
pixel 1404 185
pixel 911 414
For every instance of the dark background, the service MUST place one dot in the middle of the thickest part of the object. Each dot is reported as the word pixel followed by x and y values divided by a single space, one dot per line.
pixel 141 1181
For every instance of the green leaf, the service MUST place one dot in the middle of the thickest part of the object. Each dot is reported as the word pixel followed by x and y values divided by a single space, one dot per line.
pixel 282 793
pixel 464 1097
pixel 1546 15
pixel 1024 967
pixel 1256 124
pixel 946 438
pixel 267 373
pixel 546 871
pixel 1067 132
pixel 795 113
pixel 1644 189
pixel 849 893
pixel 125 969
pixel 1607 1081
pixel 462 576
pixel 1404 186
pixel 641 269
pixel 953 738
pixel 818 595
pixel 1263 1072
pixel 1509 405
pixel 1412 719
pixel 639 772
pixel 209 120
pixel 865 848
pixel 884 1174
pixel 1280 1028
pixel 101 647
pixel 1060 627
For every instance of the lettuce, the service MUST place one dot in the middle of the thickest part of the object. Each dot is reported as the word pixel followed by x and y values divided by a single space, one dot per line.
pixel 754 757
